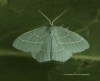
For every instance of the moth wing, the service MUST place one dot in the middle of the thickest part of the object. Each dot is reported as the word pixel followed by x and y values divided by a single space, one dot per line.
pixel 45 51
pixel 51 50
pixel 31 41
pixel 58 53
pixel 70 41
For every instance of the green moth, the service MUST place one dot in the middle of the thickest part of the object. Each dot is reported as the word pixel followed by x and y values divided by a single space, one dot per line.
pixel 51 42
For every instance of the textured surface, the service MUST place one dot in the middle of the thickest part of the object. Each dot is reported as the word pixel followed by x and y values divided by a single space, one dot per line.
pixel 20 16
pixel 51 43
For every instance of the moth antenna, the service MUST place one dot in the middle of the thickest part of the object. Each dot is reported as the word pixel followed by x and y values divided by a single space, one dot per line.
pixel 58 17
pixel 45 17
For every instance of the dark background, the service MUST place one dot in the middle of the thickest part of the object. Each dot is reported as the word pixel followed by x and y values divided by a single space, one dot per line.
pixel 20 16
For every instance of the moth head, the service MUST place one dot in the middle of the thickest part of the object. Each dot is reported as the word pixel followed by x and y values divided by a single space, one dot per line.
pixel 51 22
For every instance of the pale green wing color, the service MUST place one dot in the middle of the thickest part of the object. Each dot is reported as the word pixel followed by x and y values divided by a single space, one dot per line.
pixel 31 41
pixel 58 53
pixel 42 44
pixel 52 50
pixel 69 40
pixel 44 52
pixel 51 43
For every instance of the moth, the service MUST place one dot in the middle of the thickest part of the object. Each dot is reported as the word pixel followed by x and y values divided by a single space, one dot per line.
pixel 51 42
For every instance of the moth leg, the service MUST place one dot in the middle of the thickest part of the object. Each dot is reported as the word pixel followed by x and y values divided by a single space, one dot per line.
pixel 62 25
pixel 67 28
